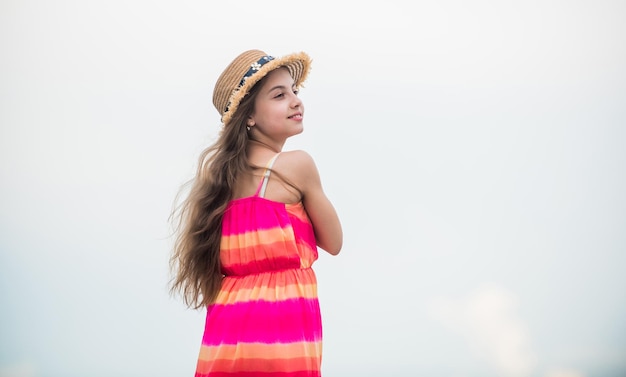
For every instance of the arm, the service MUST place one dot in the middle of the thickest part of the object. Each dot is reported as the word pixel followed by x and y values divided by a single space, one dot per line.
pixel 326 224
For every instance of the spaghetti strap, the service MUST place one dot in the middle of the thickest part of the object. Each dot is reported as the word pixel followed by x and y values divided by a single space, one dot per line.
pixel 260 191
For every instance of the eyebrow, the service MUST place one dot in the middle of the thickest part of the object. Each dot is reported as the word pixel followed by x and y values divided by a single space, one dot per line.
pixel 280 87
pixel 276 87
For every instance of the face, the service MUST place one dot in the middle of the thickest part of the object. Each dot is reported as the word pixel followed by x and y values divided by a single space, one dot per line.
pixel 278 112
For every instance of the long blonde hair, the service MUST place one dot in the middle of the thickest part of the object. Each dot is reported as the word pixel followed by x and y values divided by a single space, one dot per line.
pixel 195 261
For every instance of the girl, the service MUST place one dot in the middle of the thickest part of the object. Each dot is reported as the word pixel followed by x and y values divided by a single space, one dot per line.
pixel 251 225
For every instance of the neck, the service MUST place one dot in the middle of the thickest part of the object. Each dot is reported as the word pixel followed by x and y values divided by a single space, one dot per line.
pixel 275 149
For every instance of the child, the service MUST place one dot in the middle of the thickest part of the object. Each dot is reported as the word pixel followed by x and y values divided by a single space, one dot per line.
pixel 249 229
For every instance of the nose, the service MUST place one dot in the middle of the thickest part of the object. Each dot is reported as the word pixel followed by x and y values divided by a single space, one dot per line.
pixel 296 101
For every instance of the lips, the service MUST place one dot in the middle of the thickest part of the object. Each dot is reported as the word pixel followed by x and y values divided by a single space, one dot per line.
pixel 296 116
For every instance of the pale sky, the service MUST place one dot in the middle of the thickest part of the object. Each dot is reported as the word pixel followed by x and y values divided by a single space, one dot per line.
pixel 473 149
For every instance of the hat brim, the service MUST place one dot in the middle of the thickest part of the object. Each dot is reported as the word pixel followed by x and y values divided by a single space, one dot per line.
pixel 298 64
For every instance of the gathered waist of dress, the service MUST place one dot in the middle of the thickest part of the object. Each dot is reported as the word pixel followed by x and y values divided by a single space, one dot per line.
pixel 269 272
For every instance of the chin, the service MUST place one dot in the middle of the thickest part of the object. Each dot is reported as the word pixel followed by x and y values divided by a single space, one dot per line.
pixel 297 131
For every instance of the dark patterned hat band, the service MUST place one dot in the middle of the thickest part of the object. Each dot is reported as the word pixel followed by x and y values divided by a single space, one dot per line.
pixel 254 67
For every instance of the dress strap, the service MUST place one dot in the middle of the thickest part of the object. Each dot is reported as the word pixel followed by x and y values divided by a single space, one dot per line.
pixel 266 176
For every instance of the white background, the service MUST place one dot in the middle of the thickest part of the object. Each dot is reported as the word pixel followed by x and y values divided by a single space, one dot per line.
pixel 473 149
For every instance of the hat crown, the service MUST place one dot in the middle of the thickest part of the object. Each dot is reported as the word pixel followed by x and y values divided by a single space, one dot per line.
pixel 229 80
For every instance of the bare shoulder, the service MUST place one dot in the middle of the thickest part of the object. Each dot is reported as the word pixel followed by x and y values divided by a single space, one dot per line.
pixel 298 165
pixel 297 158
pixel 304 174
pixel 299 168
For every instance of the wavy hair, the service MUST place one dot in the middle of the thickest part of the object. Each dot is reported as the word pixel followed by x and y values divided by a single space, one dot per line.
pixel 195 260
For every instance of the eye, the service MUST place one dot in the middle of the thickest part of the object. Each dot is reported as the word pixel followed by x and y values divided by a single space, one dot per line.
pixel 296 91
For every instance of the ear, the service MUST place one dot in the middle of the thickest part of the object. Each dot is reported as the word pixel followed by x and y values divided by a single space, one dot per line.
pixel 250 122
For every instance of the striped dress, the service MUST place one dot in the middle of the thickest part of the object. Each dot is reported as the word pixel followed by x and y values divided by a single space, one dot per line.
pixel 266 318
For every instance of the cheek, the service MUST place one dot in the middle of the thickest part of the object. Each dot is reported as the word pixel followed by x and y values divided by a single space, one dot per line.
pixel 272 112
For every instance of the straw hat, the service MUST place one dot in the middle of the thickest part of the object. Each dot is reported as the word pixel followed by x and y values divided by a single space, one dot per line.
pixel 246 70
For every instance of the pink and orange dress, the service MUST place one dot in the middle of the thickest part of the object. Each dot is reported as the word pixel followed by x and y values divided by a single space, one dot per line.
pixel 266 319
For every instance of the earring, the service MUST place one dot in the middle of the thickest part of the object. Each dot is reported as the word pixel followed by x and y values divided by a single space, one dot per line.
pixel 248 128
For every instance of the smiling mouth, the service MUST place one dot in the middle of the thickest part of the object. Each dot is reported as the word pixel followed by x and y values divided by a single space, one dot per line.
pixel 296 116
